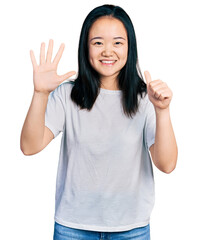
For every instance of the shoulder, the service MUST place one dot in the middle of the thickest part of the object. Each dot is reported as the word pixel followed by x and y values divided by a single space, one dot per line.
pixel 66 85
pixel 143 101
pixel 145 105
pixel 62 89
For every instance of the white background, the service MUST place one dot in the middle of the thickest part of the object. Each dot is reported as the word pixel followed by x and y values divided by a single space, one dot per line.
pixel 167 42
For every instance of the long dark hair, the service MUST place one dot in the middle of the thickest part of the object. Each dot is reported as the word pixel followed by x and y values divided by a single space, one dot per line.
pixel 87 84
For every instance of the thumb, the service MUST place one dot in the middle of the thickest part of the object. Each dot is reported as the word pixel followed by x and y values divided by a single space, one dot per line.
pixel 147 77
pixel 67 75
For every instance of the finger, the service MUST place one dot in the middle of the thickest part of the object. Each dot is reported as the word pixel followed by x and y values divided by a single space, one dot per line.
pixel 163 97
pixel 147 77
pixel 166 94
pixel 49 51
pixel 67 75
pixel 162 94
pixel 33 59
pixel 157 87
pixel 157 95
pixel 158 92
pixel 156 83
pixel 59 54
pixel 42 54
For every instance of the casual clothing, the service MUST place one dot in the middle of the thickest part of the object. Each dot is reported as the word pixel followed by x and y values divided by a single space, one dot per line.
pixel 65 233
pixel 105 178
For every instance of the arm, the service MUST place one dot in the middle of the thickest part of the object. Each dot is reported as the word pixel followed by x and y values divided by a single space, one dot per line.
pixel 32 134
pixel 35 136
pixel 164 151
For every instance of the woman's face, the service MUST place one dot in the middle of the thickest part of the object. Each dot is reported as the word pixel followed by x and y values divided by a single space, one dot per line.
pixel 108 46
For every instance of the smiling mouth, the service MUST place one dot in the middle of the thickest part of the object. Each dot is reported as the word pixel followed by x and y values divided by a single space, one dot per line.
pixel 108 62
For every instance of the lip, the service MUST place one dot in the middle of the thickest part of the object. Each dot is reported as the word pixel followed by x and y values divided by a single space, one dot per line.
pixel 107 60
pixel 110 62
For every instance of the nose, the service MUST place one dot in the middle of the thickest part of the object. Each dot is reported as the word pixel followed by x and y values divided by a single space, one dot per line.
pixel 107 51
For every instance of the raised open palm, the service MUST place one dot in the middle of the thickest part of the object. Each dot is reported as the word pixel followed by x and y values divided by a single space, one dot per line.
pixel 45 74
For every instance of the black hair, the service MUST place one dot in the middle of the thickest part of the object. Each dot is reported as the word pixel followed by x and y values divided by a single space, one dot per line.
pixel 130 81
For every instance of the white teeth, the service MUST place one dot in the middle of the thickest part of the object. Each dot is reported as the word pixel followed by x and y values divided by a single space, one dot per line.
pixel 108 61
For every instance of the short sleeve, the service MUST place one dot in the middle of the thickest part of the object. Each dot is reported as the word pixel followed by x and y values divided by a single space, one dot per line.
pixel 55 111
pixel 150 124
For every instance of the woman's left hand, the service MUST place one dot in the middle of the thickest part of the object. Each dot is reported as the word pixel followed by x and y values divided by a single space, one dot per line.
pixel 158 92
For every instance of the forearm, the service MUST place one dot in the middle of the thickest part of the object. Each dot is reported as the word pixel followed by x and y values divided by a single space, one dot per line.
pixel 165 147
pixel 33 129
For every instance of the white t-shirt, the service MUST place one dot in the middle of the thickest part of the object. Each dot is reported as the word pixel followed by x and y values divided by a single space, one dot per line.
pixel 105 177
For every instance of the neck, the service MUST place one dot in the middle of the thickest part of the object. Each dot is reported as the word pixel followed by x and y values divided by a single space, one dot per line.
pixel 109 84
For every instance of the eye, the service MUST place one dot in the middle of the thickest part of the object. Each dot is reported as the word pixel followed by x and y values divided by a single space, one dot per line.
pixel 118 43
pixel 98 43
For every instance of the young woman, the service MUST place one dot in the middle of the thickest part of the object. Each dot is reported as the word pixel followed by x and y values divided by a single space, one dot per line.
pixel 114 125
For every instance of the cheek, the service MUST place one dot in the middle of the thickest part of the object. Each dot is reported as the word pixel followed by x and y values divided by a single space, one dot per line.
pixel 123 54
pixel 92 54
pixel 89 54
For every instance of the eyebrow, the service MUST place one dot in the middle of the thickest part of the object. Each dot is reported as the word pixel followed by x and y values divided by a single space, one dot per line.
pixel 102 38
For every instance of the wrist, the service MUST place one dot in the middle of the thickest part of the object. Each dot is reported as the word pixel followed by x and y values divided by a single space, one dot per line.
pixel 43 94
pixel 162 112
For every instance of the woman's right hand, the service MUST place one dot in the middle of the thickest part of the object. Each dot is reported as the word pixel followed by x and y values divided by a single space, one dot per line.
pixel 45 75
